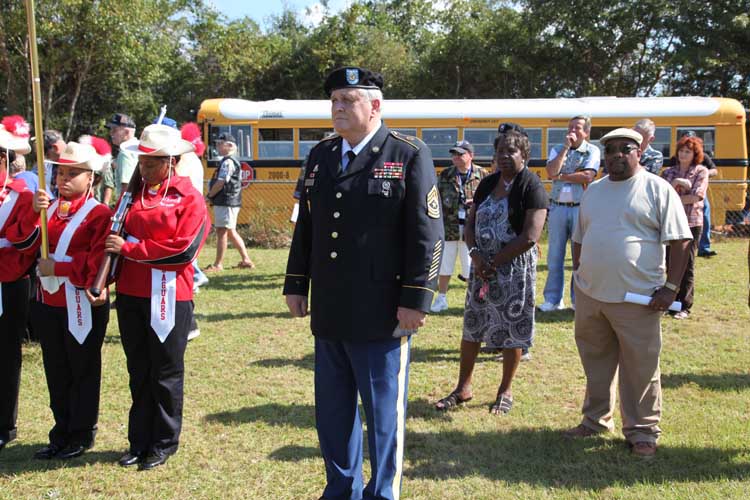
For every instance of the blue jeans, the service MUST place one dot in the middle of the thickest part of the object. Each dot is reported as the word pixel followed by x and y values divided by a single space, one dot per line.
pixel 705 243
pixel 560 225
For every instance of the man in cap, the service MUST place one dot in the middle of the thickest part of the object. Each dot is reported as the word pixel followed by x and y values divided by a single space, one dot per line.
pixel 456 185
pixel 225 193
pixel 122 132
pixel 369 238
pixel 625 221
pixel 571 165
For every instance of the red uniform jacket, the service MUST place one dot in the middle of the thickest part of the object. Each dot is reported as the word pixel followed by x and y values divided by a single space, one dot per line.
pixel 21 229
pixel 86 248
pixel 170 235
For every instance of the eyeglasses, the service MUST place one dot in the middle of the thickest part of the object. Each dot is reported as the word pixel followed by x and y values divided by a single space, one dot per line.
pixel 625 149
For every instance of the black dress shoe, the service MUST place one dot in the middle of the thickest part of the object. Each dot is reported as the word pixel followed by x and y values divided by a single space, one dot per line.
pixel 71 451
pixel 48 452
pixel 130 459
pixel 153 460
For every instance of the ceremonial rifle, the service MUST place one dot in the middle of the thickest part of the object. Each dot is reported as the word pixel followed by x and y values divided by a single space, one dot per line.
pixel 117 228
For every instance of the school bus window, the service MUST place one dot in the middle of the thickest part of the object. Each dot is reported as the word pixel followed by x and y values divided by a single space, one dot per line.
pixel 309 137
pixel 662 136
pixel 705 133
pixel 440 140
pixel 482 139
pixel 555 137
pixel 535 138
pixel 243 135
pixel 275 143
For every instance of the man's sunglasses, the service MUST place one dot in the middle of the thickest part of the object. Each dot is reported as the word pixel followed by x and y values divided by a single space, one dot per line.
pixel 625 149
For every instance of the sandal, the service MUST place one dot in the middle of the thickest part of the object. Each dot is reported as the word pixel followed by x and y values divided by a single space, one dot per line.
pixel 245 265
pixel 451 401
pixel 502 405
pixel 213 269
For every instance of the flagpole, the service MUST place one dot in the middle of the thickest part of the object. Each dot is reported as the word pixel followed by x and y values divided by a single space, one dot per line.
pixel 38 127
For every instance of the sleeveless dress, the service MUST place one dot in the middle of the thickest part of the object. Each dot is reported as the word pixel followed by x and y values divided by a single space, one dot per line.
pixel 502 317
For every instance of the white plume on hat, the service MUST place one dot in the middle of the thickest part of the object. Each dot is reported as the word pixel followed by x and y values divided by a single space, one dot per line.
pixel 14 134
pixel 160 140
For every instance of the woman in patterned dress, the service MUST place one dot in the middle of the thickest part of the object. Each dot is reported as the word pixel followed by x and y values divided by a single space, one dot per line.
pixel 502 229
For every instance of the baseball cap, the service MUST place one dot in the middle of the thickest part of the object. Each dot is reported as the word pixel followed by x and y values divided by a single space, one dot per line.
pixel 226 137
pixel 120 120
pixel 462 147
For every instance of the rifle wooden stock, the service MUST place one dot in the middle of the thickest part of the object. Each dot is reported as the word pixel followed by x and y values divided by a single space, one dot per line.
pixel 117 228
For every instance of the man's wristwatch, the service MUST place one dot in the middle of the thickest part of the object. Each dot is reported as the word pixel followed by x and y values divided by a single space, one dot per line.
pixel 472 250
pixel 671 286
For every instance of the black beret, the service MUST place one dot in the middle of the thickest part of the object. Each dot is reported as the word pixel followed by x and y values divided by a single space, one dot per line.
pixel 351 77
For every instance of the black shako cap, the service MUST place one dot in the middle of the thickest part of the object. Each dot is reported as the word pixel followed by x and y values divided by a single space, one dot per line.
pixel 352 77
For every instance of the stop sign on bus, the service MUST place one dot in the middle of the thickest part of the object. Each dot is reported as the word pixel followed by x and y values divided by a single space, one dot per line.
pixel 247 174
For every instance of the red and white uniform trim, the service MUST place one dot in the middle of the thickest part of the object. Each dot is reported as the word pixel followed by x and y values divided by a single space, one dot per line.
pixel 167 237
pixel 19 232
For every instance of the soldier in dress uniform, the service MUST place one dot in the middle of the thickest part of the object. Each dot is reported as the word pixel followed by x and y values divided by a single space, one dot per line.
pixel 369 240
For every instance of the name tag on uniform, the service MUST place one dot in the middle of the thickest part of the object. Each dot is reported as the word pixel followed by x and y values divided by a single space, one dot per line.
pixel 566 194
pixel 309 182
pixel 389 170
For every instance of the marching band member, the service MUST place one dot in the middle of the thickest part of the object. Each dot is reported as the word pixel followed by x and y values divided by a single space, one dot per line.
pixel 166 227
pixel 71 322
pixel 18 233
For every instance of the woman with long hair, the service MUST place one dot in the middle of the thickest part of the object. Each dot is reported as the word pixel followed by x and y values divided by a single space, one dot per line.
pixel 690 179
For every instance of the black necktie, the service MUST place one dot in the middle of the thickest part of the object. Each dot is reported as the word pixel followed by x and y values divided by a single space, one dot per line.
pixel 350 155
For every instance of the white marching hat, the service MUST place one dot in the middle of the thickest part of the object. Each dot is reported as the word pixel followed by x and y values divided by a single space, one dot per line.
pixel 79 155
pixel 160 140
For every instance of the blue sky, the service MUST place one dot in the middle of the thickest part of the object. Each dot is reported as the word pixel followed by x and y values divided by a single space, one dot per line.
pixel 260 10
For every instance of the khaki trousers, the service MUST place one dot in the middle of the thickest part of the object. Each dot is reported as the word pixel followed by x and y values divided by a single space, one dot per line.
pixel 625 337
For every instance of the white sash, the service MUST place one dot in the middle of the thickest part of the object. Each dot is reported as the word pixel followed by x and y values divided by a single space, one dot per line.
pixel 79 312
pixel 163 302
pixel 52 284
pixel 5 209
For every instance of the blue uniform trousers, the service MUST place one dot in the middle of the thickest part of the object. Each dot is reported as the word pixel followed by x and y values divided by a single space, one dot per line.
pixel 379 372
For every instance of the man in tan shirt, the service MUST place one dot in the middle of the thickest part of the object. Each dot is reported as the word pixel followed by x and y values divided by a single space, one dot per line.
pixel 625 220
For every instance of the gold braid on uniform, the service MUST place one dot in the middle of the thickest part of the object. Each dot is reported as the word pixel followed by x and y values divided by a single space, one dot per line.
pixel 436 253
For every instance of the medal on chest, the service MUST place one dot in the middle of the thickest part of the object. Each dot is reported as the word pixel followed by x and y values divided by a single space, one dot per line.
pixel 63 209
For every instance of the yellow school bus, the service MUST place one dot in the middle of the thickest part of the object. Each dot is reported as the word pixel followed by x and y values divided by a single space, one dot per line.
pixel 275 136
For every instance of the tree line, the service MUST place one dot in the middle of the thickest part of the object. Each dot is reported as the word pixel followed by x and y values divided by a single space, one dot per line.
pixel 102 56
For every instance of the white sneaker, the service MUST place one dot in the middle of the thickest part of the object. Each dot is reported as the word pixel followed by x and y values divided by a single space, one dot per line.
pixel 200 281
pixel 440 304
pixel 526 357
pixel 194 334
pixel 548 307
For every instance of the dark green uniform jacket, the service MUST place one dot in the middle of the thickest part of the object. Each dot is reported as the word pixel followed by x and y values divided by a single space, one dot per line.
pixel 368 240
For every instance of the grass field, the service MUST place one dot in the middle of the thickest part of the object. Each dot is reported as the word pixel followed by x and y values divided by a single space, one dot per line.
pixel 249 429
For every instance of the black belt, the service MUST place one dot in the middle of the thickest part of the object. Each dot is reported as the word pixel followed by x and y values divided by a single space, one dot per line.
pixel 564 204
